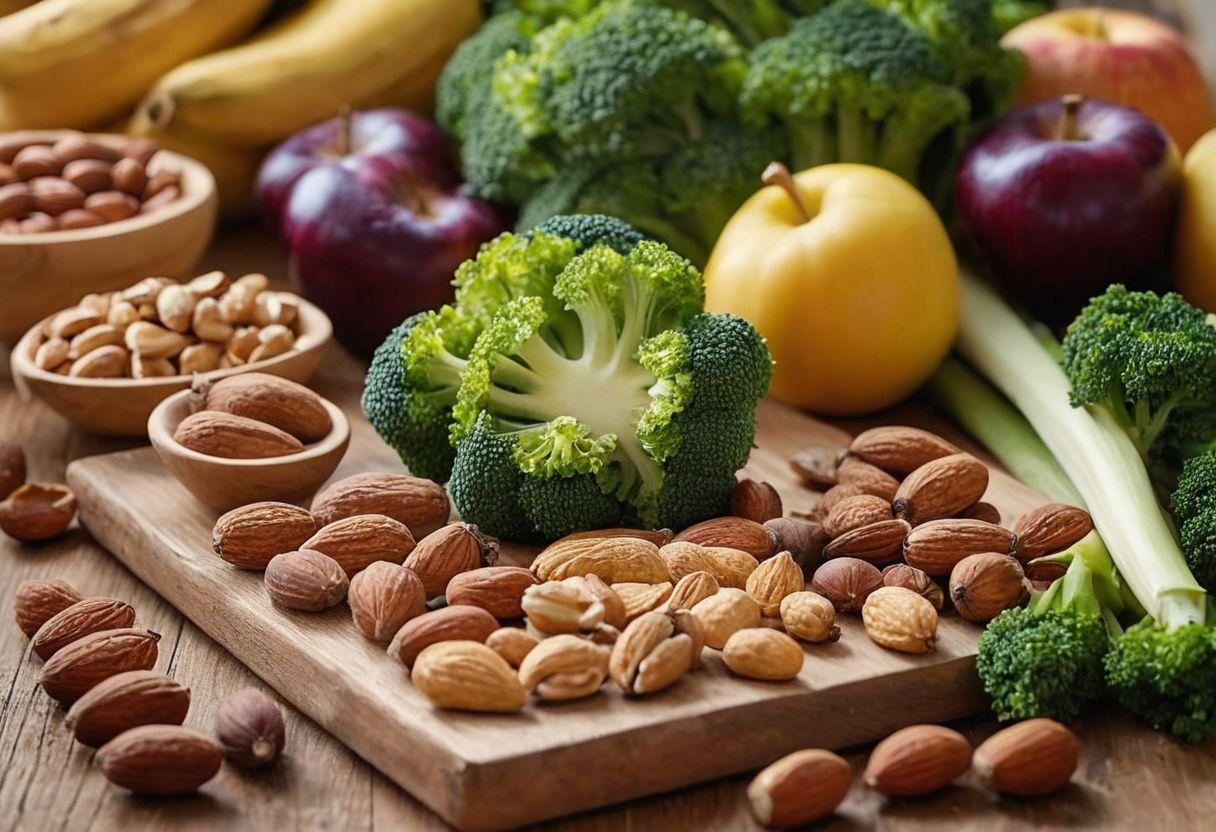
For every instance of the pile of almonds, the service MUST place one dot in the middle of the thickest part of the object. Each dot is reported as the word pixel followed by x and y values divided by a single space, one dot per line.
pixel 902 509
pixel 98 664
pixel 161 327
pixel 252 416
pixel 1028 759
pixel 78 182
pixel 31 512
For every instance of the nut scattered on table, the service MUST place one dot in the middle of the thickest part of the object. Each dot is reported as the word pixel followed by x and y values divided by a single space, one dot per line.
pixel 917 760
pixel 125 701
pixel 800 788
pixel 37 511
pixel 250 729
pixel 36 602
pixel 160 759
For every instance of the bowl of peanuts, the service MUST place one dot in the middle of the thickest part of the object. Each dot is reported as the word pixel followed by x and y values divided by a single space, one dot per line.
pixel 83 213
pixel 107 361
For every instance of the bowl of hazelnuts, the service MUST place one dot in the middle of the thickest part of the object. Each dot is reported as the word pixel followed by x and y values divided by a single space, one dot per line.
pixel 83 213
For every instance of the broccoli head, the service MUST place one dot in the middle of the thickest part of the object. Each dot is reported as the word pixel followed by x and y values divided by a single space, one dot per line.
pixel 855 84
pixel 1046 659
pixel 464 84
pixel 1167 677
pixel 579 382
pixel 1150 360
pixel 1194 504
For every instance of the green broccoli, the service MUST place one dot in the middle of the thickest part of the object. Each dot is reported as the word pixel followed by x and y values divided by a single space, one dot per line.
pixel 580 384
pixel 1167 677
pixel 1150 361
pixel 855 84
pixel 1046 659
pixel 1194 505
pixel 1010 13
pixel 464 84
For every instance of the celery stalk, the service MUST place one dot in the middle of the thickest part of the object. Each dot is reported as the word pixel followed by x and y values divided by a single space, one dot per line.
pixel 1093 450
pixel 990 418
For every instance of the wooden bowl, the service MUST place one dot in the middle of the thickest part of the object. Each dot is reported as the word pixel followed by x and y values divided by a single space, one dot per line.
pixel 121 406
pixel 43 273
pixel 224 484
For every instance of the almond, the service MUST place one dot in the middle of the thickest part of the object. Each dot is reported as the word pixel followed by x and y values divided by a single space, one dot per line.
pixel 816 466
pixel 160 759
pixel 799 789
pixel 937 546
pixel 383 597
pixel 153 341
pixel 71 322
pixel 1031 758
pixel 124 701
pixel 499 590
pixel 726 613
pixel 566 606
pixel 55 196
pixel 89 175
pixel 639 599
pixel 305 580
pixel 288 406
pixel 76 146
pixel 444 554
pixel 564 667
pixel 79 620
pixel 77 668
pixel 984 585
pixel 945 487
pixel 468 676
pixel 899 450
pixel 659 537
pixel 15 200
pixel 832 496
pixel 731 533
pixel 917 760
pixel 129 176
pixel 909 577
pixel 846 582
pixel 899 619
pixel 250 536
pixel 763 653
pixel 462 623
pixel 615 613
pixel 655 650
pixel 36 160
pixel 877 543
pixel 1049 529
pixel 867 478
pixel 359 541
pixel 104 362
pixel 613 560
pixel 984 511
pixel 774 579
pixel 692 589
pixel 809 616
pixel 684 558
pixel 854 512
pixel 730 567
pixel 36 602
pixel 420 504
pixel 213 433
pixel 755 500
pixel 512 643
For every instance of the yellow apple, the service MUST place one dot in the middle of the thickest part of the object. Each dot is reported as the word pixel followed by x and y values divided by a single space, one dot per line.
pixel 1195 239
pixel 849 274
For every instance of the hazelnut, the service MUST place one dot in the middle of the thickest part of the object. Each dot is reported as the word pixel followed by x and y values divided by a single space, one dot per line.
pixel 846 582
pixel 250 729
pixel 37 512
pixel 983 585
pixel 917 580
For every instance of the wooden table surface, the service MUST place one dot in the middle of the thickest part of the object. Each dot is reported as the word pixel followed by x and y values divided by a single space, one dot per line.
pixel 1128 778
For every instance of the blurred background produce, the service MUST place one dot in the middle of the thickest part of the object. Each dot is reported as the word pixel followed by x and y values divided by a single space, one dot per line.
pixel 849 274
pixel 1119 56
pixel 375 222
pixel 1195 243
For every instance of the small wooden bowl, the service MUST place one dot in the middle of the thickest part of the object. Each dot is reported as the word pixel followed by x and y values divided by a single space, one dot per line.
pixel 121 406
pixel 224 484
pixel 43 273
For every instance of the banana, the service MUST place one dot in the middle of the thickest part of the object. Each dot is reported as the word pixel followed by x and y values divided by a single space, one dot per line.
pixel 303 69
pixel 79 63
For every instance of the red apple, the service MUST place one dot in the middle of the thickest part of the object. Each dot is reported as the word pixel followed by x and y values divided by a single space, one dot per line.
pixel 1066 197
pixel 1118 56
pixel 375 219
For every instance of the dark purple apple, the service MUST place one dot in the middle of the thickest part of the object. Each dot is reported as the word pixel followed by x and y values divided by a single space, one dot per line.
pixel 1063 198
pixel 375 218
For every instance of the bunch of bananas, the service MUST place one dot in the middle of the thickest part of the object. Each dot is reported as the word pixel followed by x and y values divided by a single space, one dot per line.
pixel 220 80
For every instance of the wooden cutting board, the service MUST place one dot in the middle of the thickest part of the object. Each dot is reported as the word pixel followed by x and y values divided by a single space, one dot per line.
pixel 488 772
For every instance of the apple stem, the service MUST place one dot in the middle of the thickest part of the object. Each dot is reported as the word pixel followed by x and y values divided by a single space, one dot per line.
pixel 779 175
pixel 344 129
pixel 1068 123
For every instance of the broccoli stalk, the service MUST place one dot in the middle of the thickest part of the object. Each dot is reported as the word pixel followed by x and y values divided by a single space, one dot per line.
pixel 1162 669
pixel 1047 659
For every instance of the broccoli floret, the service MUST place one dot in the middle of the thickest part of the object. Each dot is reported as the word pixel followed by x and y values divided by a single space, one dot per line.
pixel 1167 677
pixel 588 229
pixel 1194 504
pixel 751 21
pixel 644 409
pixel 414 425
pixel 464 84
pixel 855 84
pixel 1150 360
pixel 1046 659
pixel 486 483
